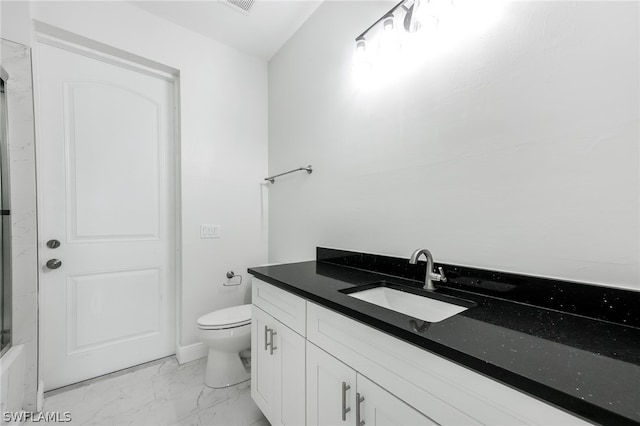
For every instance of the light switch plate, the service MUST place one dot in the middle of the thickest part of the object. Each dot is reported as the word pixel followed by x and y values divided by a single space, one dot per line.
pixel 210 231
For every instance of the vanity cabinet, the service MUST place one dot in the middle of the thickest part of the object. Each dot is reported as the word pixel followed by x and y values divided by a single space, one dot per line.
pixel 338 395
pixel 278 363
pixel 307 358
pixel 445 392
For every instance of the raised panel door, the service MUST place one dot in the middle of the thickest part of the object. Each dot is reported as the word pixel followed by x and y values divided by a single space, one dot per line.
pixel 290 376
pixel 380 408
pixel 263 363
pixel 106 185
pixel 331 389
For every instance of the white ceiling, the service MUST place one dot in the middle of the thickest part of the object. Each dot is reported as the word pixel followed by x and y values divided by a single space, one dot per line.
pixel 261 32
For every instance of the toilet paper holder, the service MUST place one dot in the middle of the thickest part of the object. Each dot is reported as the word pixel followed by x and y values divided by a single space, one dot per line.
pixel 230 276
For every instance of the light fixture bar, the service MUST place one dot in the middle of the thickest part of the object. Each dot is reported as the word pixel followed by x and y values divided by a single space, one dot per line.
pixel 390 12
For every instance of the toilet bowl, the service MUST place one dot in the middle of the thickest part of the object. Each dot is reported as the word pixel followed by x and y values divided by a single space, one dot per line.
pixel 226 332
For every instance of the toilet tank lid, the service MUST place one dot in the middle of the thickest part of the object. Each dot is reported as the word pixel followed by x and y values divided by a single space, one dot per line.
pixel 227 316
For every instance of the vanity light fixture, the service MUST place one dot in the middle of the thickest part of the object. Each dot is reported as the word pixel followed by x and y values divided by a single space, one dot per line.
pixel 387 23
pixel 414 15
pixel 389 41
pixel 362 60
pixel 423 16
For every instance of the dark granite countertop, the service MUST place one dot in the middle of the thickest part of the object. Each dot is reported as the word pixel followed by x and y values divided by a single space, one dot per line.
pixel 583 359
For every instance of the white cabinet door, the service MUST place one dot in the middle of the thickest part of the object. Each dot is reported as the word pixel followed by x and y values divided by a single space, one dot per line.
pixel 262 363
pixel 289 353
pixel 378 407
pixel 277 370
pixel 331 389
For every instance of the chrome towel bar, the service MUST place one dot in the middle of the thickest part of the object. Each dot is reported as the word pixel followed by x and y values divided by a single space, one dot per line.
pixel 272 179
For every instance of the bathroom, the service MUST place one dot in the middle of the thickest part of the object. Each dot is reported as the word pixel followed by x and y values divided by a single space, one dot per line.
pixel 502 138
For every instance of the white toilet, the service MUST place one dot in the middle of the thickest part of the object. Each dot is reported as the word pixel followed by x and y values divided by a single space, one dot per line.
pixel 226 333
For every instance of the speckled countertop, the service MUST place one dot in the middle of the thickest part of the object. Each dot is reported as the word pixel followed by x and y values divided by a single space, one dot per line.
pixel 586 361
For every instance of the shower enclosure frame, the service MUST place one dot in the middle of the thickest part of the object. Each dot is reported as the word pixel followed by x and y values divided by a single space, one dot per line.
pixel 5 227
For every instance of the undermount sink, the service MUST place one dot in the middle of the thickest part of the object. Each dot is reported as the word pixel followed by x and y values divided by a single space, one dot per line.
pixel 409 301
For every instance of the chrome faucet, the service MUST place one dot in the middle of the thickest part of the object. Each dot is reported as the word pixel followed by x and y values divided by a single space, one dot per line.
pixel 430 276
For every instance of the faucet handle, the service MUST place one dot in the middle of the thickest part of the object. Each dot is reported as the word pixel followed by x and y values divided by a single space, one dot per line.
pixel 443 277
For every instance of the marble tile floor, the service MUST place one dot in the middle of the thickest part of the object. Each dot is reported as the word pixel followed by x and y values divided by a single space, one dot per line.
pixel 158 393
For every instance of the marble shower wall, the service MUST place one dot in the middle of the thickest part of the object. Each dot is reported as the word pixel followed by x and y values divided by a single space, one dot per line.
pixel 16 60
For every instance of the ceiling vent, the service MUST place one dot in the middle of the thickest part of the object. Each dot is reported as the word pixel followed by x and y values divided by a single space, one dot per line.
pixel 242 6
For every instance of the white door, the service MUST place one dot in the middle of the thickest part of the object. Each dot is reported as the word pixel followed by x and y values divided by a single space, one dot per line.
pixel 331 389
pixel 106 184
pixel 380 408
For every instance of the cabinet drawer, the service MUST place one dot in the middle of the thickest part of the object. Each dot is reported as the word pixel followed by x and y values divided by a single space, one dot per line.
pixel 287 308
pixel 442 390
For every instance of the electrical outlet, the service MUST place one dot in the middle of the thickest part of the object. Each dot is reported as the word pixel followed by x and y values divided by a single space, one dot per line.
pixel 210 231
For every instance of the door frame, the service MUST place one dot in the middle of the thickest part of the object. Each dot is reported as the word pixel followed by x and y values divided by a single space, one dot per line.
pixel 47 34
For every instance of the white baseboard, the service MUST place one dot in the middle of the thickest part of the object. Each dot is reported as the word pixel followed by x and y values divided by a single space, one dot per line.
pixel 190 353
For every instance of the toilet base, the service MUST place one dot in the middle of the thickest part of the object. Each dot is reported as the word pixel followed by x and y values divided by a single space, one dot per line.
pixel 224 369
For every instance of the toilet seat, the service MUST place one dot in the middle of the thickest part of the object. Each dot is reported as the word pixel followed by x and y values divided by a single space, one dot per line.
pixel 235 316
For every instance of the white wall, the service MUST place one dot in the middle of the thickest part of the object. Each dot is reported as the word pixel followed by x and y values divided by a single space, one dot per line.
pixel 14 22
pixel 223 99
pixel 515 150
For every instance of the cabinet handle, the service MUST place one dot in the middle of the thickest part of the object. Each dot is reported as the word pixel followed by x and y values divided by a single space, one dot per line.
pixel 273 348
pixel 266 341
pixel 345 409
pixel 359 399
